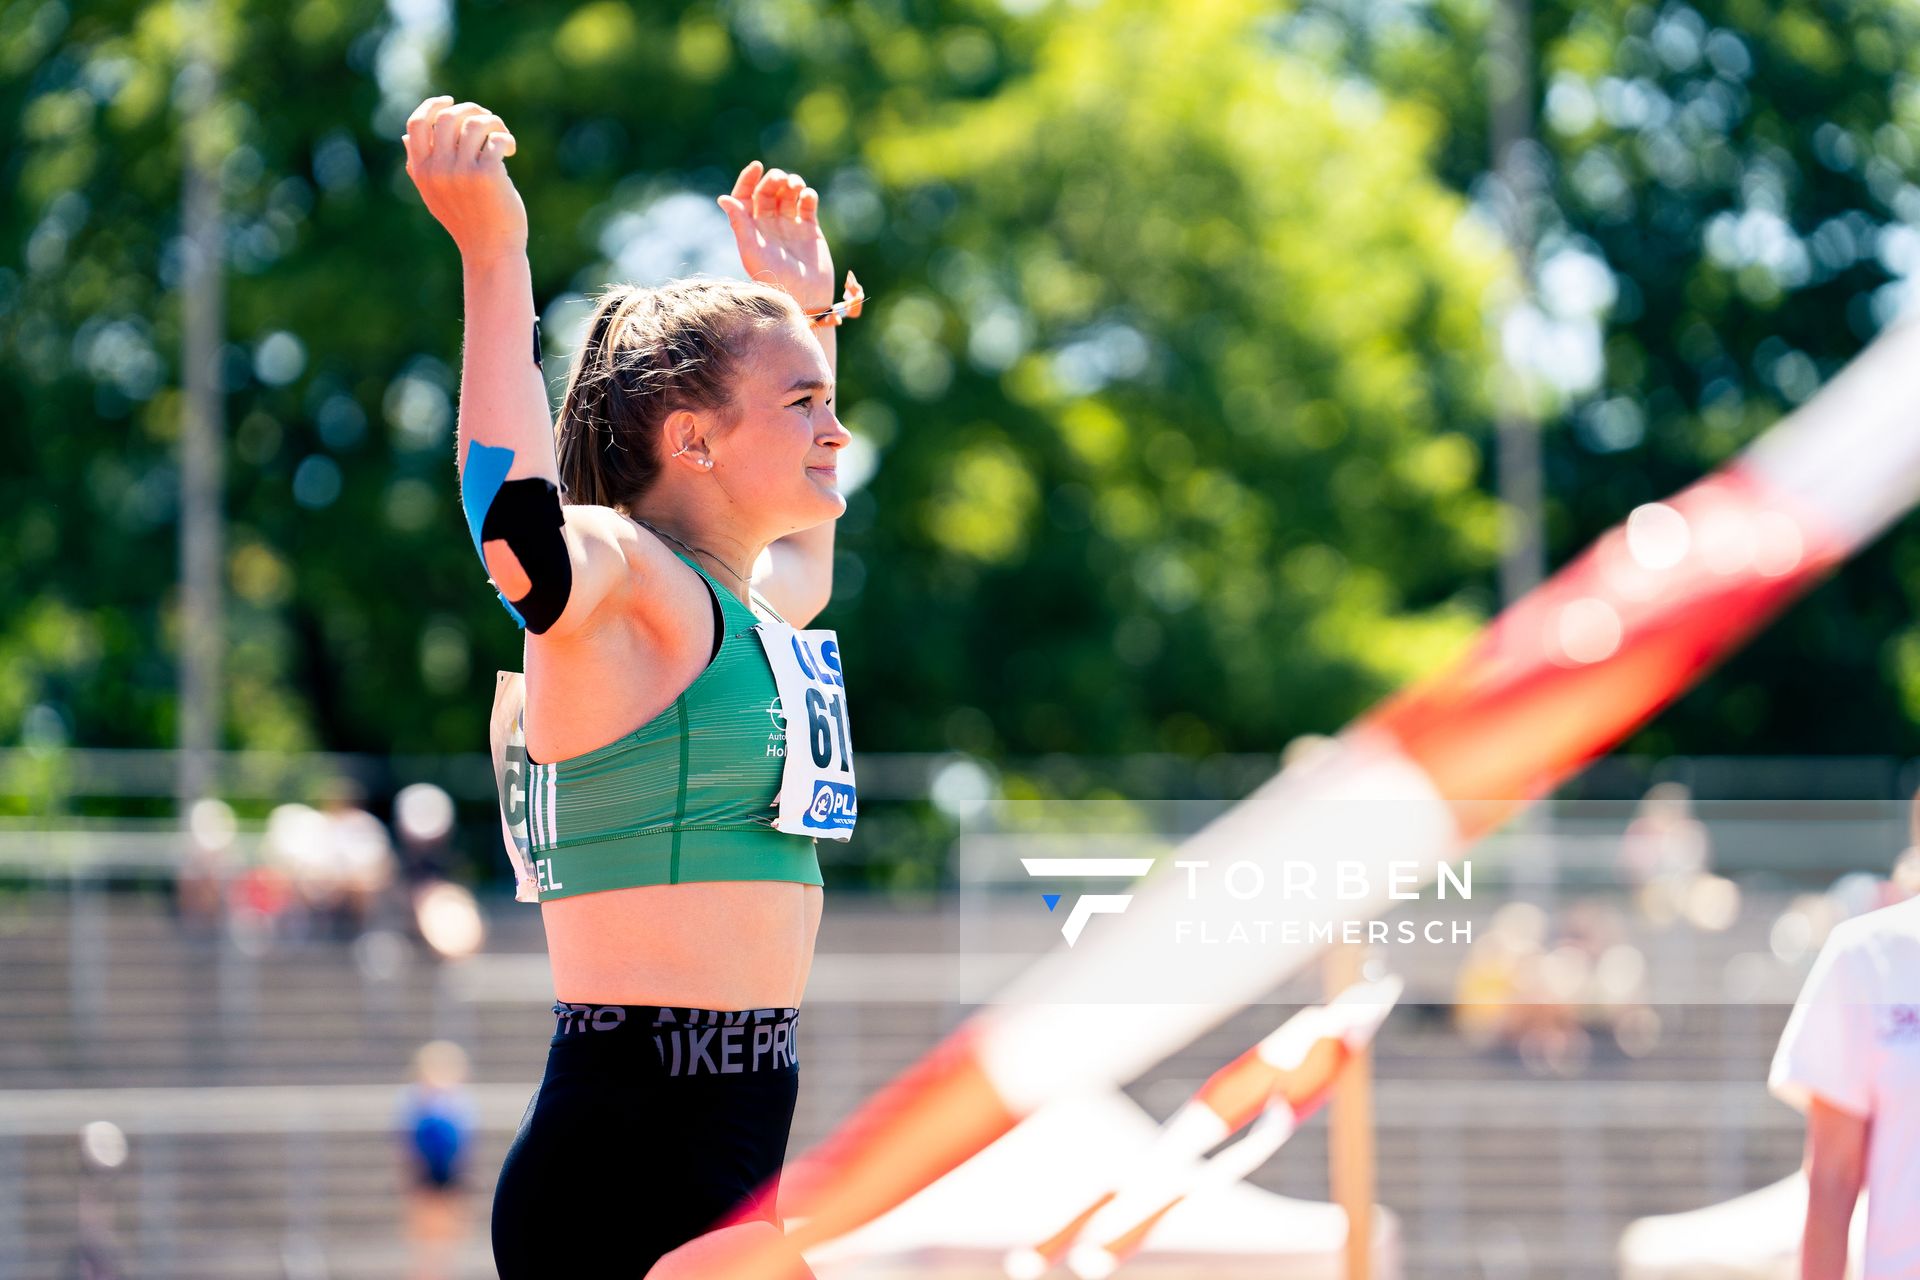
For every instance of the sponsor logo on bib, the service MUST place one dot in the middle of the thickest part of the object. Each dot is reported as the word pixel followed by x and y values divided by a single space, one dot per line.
pixel 834 805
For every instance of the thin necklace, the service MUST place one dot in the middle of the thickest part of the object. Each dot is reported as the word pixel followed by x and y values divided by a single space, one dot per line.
pixel 697 551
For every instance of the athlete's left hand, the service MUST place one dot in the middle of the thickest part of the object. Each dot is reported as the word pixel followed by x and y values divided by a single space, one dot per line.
pixel 775 217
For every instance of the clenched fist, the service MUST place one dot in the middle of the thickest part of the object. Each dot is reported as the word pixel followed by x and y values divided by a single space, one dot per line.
pixel 456 156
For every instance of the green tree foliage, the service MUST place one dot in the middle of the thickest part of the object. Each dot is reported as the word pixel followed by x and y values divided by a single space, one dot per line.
pixel 1173 377
pixel 1746 169
pixel 1204 343
pixel 89 340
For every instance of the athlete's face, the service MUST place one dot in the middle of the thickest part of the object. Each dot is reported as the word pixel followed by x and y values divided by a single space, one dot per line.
pixel 778 458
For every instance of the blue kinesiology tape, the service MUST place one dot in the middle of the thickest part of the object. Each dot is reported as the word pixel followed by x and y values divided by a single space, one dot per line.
pixel 480 482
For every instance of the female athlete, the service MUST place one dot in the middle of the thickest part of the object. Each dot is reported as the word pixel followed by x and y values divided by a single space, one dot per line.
pixel 676 745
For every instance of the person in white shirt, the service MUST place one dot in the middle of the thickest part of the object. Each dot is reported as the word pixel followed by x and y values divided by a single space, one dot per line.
pixel 1850 1059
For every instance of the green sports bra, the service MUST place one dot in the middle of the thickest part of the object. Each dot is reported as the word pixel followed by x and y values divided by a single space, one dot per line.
pixel 688 796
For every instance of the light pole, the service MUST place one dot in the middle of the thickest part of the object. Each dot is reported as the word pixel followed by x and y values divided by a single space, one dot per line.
pixel 203 425
pixel 1517 171
pixel 1516 168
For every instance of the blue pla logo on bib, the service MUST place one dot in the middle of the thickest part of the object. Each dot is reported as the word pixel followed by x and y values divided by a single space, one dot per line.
pixel 833 808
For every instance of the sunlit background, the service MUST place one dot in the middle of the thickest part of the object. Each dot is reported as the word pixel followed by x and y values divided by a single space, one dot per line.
pixel 1229 365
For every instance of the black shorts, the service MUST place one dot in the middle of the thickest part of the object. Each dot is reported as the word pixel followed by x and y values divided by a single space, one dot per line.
pixel 653 1125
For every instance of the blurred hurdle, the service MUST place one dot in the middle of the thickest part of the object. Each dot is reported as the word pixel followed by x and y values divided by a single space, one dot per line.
pixel 1554 681
pixel 1275 1085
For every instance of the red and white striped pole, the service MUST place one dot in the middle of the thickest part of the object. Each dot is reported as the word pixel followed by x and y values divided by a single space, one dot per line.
pixel 1556 680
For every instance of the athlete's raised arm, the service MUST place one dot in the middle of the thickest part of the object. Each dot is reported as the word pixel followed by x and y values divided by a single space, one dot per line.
pixel 775 218
pixel 551 569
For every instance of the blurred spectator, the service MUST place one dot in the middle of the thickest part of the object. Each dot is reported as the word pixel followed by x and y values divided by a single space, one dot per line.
pixel 262 898
pixel 1490 978
pixel 1665 851
pixel 1542 989
pixel 1810 918
pixel 200 884
pixel 338 864
pixel 103 1152
pixel 362 858
pixel 445 915
pixel 423 819
pixel 435 1125
pixel 298 854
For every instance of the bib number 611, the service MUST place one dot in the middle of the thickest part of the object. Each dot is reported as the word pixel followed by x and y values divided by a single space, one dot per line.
pixel 827 737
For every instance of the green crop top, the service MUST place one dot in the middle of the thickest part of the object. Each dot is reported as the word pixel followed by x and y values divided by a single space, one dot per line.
pixel 689 795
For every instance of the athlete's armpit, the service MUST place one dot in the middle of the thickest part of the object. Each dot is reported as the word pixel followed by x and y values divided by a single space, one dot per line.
pixel 612 561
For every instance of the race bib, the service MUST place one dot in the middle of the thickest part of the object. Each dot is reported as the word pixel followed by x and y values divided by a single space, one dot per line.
pixel 817 796
pixel 511 779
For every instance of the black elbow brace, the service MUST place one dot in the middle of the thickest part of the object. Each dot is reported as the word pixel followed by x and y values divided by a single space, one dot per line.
pixel 525 514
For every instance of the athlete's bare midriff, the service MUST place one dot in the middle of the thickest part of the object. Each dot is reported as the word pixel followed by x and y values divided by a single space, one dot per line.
pixel 722 944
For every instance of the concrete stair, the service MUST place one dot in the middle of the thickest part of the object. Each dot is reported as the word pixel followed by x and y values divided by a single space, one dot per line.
pixel 1493 1169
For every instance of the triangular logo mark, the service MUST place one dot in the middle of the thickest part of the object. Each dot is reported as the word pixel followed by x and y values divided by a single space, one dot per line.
pixel 1051 899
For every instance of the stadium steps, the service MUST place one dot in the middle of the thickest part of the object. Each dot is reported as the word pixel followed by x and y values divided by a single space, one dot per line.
pixel 1485 1162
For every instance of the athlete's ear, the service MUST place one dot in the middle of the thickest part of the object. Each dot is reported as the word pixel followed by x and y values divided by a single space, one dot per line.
pixel 684 440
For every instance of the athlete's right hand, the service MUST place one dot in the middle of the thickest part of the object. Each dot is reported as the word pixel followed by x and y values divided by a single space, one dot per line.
pixel 456 156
